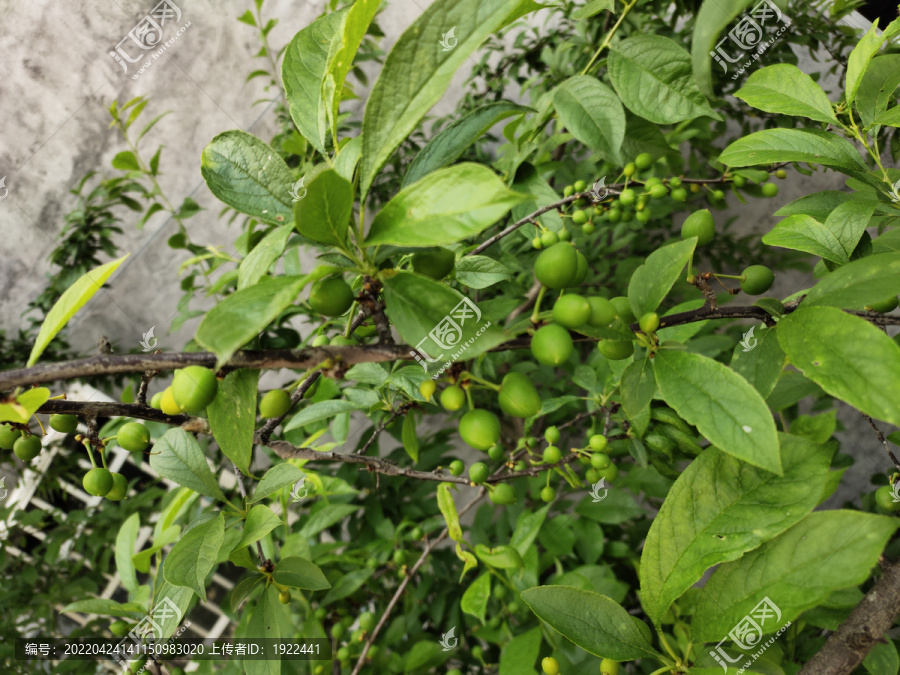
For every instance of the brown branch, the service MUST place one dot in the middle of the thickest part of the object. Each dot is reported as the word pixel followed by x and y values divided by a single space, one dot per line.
pixel 879 434
pixel 243 489
pixel 402 410
pixel 863 629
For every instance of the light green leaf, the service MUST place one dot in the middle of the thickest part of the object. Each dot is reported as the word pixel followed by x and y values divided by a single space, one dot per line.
pixel 637 387
pixel 720 508
pixel 793 145
pixel 300 573
pixel 322 410
pixel 787 90
pixel 232 416
pixel 73 299
pixel 446 206
pixel 877 87
pixel 848 222
pixel 714 16
pixel 417 305
pixel 249 176
pixel 279 476
pixel 858 283
pixel 24 406
pixel 260 521
pixel 528 525
pixel 126 161
pixel 592 621
pixel 653 280
pixel 475 599
pixel 448 510
pixel 517 656
pixel 883 658
pixel 347 159
pixel 263 256
pixel 241 316
pixel 891 118
pixel 125 541
pixel 652 75
pixel 863 372
pixel 805 233
pixel 178 457
pixel 194 555
pixel 503 557
pixel 303 73
pixel 346 585
pixel 324 515
pixel 324 214
pixel 721 404
pixel 418 71
pixel 106 607
pixel 588 10
pixel 448 144
pixel 763 364
pixel 480 271
pixel 862 54
pixel 409 437
pixel 592 113
pixel 818 204
pixel 824 552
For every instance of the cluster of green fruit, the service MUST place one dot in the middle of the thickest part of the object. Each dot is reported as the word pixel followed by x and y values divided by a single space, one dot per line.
pixel 25 446
pixel 193 388
pixel 367 623
pixel 550 666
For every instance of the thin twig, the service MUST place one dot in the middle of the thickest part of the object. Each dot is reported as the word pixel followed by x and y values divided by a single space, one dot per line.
pixel 880 435
pixel 402 410
pixel 240 481
pixel 525 306
pixel 297 394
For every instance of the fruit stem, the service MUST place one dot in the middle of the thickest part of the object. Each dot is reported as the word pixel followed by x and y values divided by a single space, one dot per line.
pixel 664 643
pixel 87 446
pixel 537 304
pixel 43 430
pixel 469 397
pixel 490 385
pixel 740 277
pixel 350 318
pixel 102 454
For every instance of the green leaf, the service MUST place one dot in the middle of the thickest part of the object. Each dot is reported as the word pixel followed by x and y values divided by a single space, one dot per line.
pixel 638 387
pixel 73 299
pixel 588 10
pixel 818 204
pixel 126 161
pixel 303 71
pixel 417 306
pixel 263 256
pixel 517 656
pixel 343 50
pixel 448 144
pixel 863 372
pixel 793 145
pixel 125 541
pixel 882 658
pixel 824 552
pixel 653 280
pixel 480 271
pixel 592 621
pixel 720 508
pixel 324 515
pixel 503 557
pixel 862 54
pixel 858 283
pixel 763 364
pixel 347 159
pixel 805 233
pixel 300 573
pixel 240 317
pixel 709 22
pixel 324 214
pixel 787 90
pixel 279 476
pixel 653 76
pixel 528 525
pixel 592 113
pixel 232 416
pixel 346 585
pixel 260 521
pixel 106 607
pixel 618 507
pixel 877 87
pixel 178 457
pixel 194 555
pixel 409 437
pixel 418 71
pixel 269 620
pixel 322 410
pixel 448 510
pixel 721 404
pixel 445 207
pixel 24 406
pixel 243 589
pixel 249 176
pixel 848 222
pixel 891 118
pixel 475 599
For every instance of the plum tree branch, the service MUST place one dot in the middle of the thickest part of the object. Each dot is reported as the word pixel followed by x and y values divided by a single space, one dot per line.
pixel 865 627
